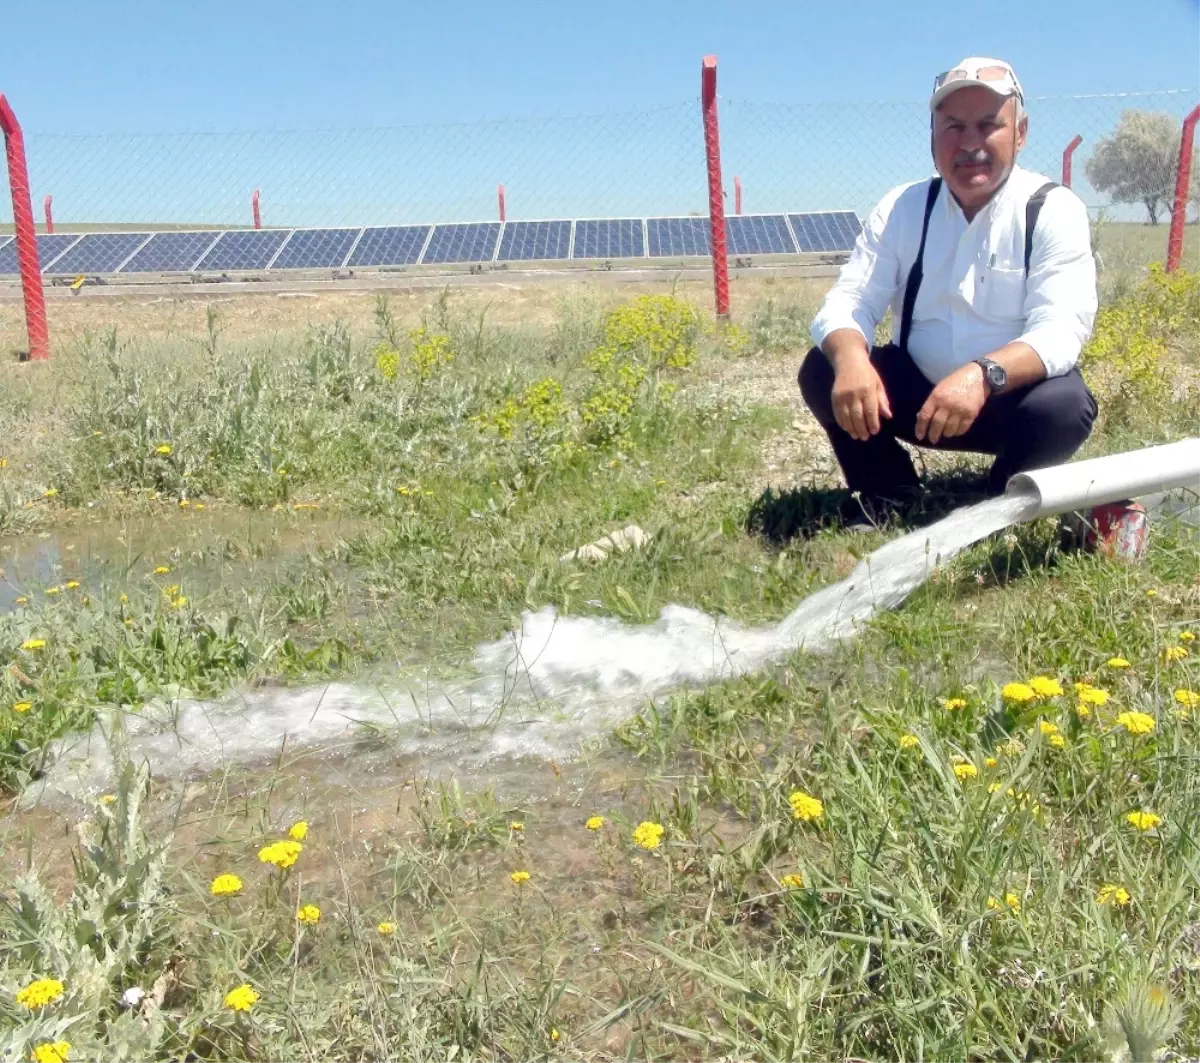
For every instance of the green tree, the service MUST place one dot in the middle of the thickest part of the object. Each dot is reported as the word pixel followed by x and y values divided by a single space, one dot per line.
pixel 1136 164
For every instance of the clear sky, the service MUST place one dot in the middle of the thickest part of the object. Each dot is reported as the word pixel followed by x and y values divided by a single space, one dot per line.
pixel 124 67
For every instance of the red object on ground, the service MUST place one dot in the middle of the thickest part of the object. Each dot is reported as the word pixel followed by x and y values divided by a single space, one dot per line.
pixel 716 194
pixel 27 249
pixel 1183 175
pixel 254 209
pixel 1068 151
pixel 500 200
pixel 1118 530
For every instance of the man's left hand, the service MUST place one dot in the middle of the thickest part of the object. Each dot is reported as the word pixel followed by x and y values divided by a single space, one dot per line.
pixel 953 405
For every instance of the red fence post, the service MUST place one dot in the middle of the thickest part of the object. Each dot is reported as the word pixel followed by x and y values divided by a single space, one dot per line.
pixel 1183 177
pixel 27 249
pixel 47 205
pixel 500 200
pixel 716 195
pixel 737 195
pixel 254 209
pixel 1068 151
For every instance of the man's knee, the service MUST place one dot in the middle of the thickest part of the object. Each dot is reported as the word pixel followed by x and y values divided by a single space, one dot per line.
pixel 816 385
pixel 1061 408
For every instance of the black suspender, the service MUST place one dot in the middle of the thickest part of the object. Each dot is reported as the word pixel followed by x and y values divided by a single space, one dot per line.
pixel 915 274
pixel 1032 209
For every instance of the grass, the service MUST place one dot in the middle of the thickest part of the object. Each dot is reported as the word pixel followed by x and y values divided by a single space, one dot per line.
pixel 925 913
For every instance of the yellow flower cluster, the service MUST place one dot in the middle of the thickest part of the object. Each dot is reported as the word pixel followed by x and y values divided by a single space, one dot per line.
pixel 282 854
pixel 1142 820
pixel 519 878
pixel 1018 692
pixel 40 993
pixel 386 928
pixel 1174 653
pixel 1052 734
pixel 52 1052
pixel 952 704
pixel 965 770
pixel 298 831
pixel 1117 896
pixel 241 998
pixel 805 807
pixel 792 882
pixel 308 915
pixel 1136 723
pixel 1119 663
pixel 1011 901
pixel 647 835
pixel 594 822
pixel 225 886
pixel 1189 699
pixel 908 741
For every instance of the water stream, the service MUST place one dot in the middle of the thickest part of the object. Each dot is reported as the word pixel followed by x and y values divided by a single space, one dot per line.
pixel 544 690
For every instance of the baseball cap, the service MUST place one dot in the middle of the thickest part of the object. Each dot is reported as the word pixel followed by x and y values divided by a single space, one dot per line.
pixel 993 74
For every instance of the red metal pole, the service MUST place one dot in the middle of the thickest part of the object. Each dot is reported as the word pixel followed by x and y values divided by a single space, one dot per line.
pixel 47 204
pixel 1183 177
pixel 1068 151
pixel 716 200
pixel 27 249
pixel 254 209
pixel 500 200
pixel 737 195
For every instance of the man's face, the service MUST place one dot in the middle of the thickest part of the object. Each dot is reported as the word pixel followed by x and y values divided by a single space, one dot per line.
pixel 976 138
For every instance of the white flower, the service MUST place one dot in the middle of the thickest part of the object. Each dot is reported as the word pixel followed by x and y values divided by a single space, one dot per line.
pixel 133 996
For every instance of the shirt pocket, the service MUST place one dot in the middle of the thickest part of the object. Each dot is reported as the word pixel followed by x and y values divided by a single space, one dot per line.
pixel 1003 294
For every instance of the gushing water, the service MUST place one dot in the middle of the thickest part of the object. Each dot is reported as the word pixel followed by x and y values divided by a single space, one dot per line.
pixel 543 690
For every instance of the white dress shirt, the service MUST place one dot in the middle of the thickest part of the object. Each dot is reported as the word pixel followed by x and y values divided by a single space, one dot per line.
pixel 974 297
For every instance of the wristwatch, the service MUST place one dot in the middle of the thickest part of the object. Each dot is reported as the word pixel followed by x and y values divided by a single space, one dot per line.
pixel 994 374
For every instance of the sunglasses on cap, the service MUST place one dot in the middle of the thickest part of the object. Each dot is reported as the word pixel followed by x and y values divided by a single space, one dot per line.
pixel 1010 86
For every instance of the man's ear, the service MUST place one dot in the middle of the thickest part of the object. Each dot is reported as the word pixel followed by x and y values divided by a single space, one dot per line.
pixel 1022 131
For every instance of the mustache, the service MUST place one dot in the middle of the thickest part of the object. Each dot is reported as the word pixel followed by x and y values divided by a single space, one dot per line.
pixel 978 157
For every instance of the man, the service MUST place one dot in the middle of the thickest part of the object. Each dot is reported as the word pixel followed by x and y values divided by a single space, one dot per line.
pixel 989 274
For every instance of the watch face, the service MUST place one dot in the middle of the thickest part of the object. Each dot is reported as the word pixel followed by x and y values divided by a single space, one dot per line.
pixel 996 375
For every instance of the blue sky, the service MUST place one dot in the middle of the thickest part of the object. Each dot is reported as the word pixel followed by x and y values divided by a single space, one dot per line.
pixel 122 67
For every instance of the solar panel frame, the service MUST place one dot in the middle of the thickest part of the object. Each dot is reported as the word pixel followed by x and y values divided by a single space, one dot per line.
pixel 690 233
pixel 186 257
pixel 300 239
pixel 108 253
pixel 759 234
pixel 583 227
pixel 366 245
pixel 538 228
pixel 230 236
pixel 492 233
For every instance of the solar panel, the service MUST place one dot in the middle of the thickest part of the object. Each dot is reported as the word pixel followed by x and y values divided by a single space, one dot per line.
pixel 677 236
pixel 316 249
pixel 609 238
pixel 391 245
pixel 758 234
pixel 827 231
pixel 50 246
pixel 97 253
pixel 169 252
pixel 239 249
pixel 533 240
pixel 468 242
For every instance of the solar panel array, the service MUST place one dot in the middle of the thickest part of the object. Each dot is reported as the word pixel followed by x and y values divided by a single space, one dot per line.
pixel 460 243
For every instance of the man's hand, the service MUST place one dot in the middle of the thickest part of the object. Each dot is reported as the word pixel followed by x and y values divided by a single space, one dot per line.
pixel 953 405
pixel 858 398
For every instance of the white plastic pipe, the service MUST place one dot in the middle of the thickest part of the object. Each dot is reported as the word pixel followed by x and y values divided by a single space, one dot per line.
pixel 1081 484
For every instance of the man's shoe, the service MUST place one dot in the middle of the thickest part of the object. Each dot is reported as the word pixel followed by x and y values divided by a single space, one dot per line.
pixel 868 513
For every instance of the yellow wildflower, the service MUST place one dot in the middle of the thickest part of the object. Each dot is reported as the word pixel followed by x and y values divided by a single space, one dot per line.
pixel 995 787
pixel 1151 593
pixel 308 914
pixel 22 600
pixel 1187 636
pixel 1018 692
pixel 40 993
pixel 647 835
pixel 53 590
pixel 171 589
pixel 594 822
pixel 108 800
pixel 225 886
pixel 1189 699
pixel 50 492
pixel 554 1034
pixel 298 831
pixel 243 998
pixel 163 448
pixel 1143 820
pixel 951 704
pixel 1045 687
pixel 124 599
pixel 989 762
pixel 516 826
pixel 1136 723
pixel 965 771
pixel 792 882
pixel 1118 663
pixel 162 570
pixel 1091 695
pixel 179 603
pixel 52 1052
pixel 1010 899
pixel 519 878
pixel 805 807
pixel 33 644
pixel 184 503
pixel 1170 654
pixel 386 929
pixel 22 706
pixel 72 584
pixel 1115 895
pixel 281 854
pixel 909 741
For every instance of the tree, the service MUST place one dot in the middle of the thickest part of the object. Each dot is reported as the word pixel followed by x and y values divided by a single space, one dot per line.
pixel 1137 163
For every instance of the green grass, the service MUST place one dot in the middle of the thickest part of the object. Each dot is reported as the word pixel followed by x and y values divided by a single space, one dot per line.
pixel 698 947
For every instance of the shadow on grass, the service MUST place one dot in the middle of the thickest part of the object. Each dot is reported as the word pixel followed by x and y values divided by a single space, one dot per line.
pixel 803 512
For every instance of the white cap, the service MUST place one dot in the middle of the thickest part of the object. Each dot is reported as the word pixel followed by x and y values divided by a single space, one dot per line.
pixel 995 75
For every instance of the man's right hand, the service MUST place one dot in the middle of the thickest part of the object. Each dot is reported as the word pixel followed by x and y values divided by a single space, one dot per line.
pixel 859 399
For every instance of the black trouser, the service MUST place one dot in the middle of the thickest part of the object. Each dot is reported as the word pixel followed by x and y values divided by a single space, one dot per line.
pixel 1029 428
